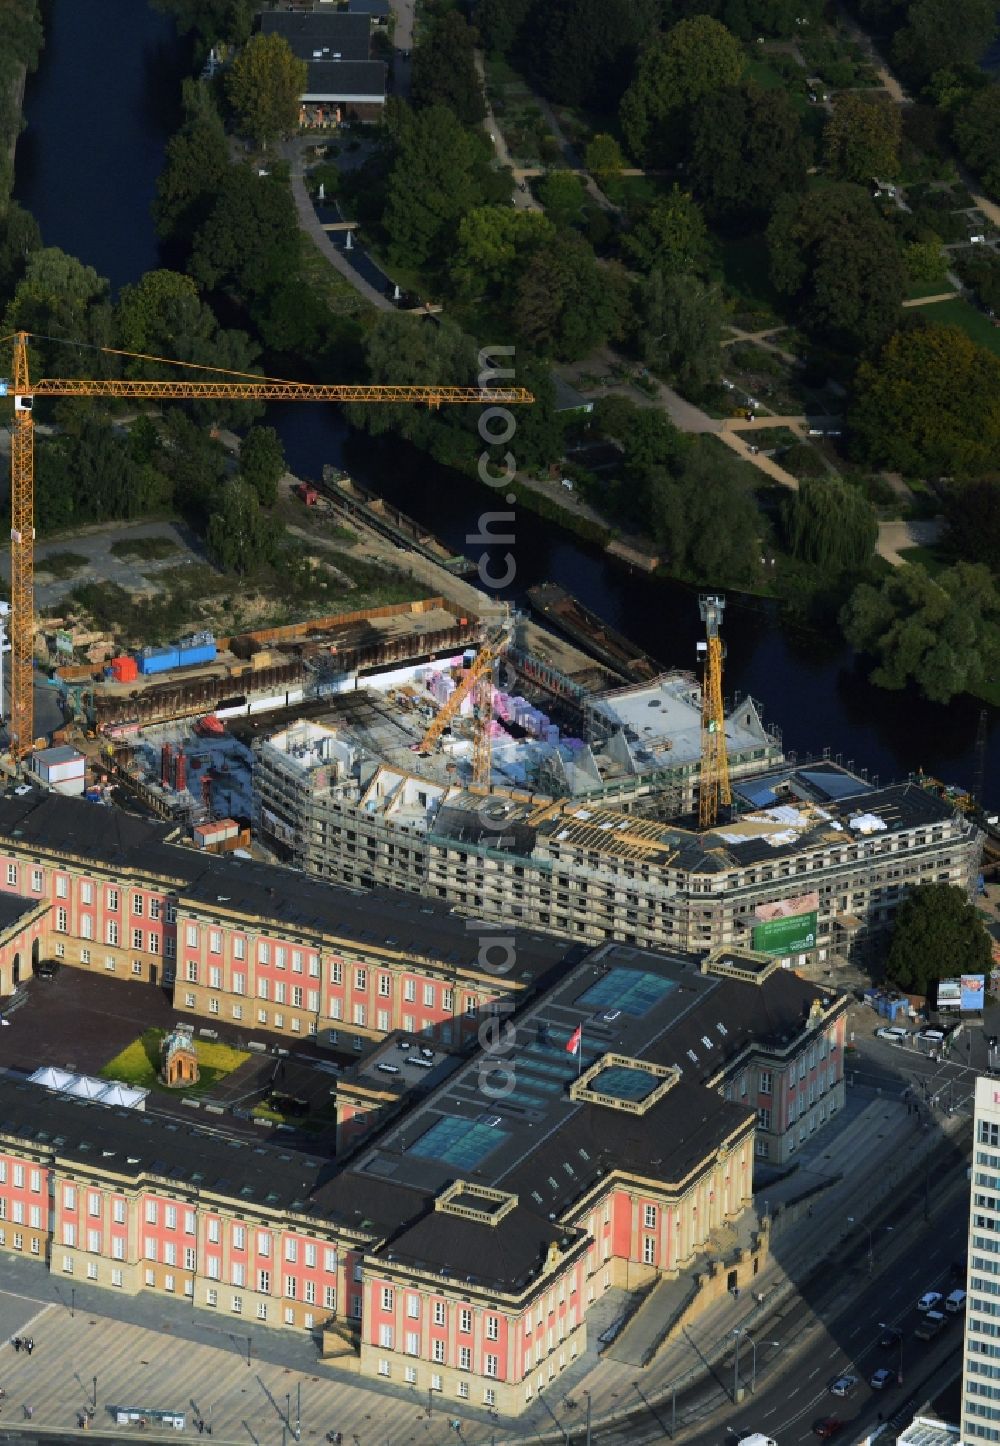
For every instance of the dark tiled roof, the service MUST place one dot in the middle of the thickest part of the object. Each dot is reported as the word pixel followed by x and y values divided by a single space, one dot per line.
pixel 505 1255
pixel 131 1142
pixel 379 918
pixel 670 1140
pixel 345 35
pixel 346 79
pixel 13 908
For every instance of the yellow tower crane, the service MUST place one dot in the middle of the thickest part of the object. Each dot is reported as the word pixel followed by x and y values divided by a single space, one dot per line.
pixel 478 681
pixel 239 386
pixel 713 783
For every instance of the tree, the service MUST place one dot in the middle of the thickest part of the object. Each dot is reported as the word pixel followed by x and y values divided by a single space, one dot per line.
pixel 197 162
pixel 831 524
pixel 925 263
pixel 979 268
pixel 929 404
pixel 603 156
pixel 942 33
pixel 937 934
pixel 680 327
pixel 444 69
pixel 977 135
pixel 500 24
pixel 669 235
pixel 264 86
pixel 836 259
pixel 58 296
pixel 250 241
pixel 212 19
pixel 562 195
pixel 861 138
pixel 434 181
pixel 19 237
pixel 240 537
pixel 262 463
pixel 566 304
pixel 943 633
pixel 582 52
pixel 686 505
pixel 696 58
pixel 493 242
pixel 747 150
pixel 972 510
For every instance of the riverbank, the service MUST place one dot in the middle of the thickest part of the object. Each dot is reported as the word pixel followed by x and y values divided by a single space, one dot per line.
pixel 21 42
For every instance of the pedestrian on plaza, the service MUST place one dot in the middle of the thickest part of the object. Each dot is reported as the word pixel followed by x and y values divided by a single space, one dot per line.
pixel 29 1411
pixel 17 1344
pixel 29 1345
pixel 201 1428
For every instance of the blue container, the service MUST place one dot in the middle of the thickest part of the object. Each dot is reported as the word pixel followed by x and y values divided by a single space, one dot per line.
pixel 93 795
pixel 196 653
pixel 158 660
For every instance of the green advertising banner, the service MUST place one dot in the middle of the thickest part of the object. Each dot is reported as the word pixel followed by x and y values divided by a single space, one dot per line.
pixel 794 935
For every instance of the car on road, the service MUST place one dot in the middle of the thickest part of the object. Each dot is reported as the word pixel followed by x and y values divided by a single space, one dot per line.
pixel 881 1379
pixel 843 1385
pixel 932 1325
pixel 955 1302
pixel 893 1033
pixel 890 1337
pixel 46 969
pixel 933 1037
pixel 827 1427
pixel 930 1300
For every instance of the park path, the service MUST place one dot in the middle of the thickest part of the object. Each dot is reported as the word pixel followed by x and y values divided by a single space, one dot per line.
pixel 895 537
pixel 310 223
pixel 930 300
pixel 760 338
pixel 523 199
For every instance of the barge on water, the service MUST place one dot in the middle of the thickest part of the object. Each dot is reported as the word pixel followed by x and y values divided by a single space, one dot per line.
pixel 591 633
pixel 357 503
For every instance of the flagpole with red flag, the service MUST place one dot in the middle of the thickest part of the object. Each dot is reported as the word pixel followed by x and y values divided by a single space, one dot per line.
pixel 574 1045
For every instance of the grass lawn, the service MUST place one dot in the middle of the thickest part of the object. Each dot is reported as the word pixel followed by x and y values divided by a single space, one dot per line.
pixel 139 1063
pixel 148 549
pixel 745 272
pixel 631 192
pixel 928 288
pixel 972 322
pixel 932 559
pixel 61 564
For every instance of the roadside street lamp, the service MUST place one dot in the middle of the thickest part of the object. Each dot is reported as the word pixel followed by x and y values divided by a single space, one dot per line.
pixel 587 1394
pixel 737 1332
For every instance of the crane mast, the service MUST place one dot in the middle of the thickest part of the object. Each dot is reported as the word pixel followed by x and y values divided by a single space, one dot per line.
pixel 713 784
pixel 478 681
pixel 240 386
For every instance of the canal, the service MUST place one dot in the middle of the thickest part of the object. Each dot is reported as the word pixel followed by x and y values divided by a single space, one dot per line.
pixel 99 113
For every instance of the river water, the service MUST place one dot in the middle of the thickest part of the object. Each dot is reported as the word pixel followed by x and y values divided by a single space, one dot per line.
pixel 99 113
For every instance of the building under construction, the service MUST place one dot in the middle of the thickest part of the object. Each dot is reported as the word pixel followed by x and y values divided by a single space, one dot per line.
pixel 577 830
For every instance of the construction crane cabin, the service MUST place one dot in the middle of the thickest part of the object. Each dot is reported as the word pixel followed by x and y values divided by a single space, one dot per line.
pixel 238 386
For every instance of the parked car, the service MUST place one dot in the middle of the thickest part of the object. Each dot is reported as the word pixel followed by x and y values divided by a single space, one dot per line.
pixel 892 1032
pixel 930 1300
pixel 934 1037
pixel 881 1379
pixel 829 1426
pixel 889 1338
pixel 955 1302
pixel 46 969
pixel 843 1385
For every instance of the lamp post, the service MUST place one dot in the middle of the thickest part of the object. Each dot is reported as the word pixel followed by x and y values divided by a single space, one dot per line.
pixel 72 1301
pixel 737 1332
pixel 95 1393
pixel 298 1411
pixel 587 1394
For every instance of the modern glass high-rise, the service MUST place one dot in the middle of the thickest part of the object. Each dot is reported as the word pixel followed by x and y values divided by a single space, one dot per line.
pixel 981 1358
